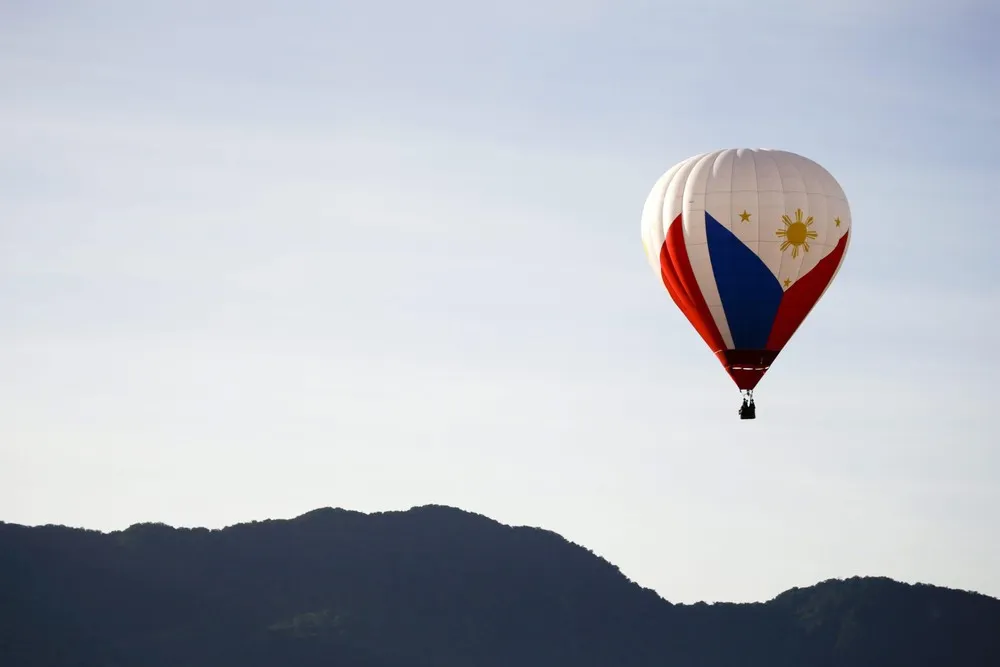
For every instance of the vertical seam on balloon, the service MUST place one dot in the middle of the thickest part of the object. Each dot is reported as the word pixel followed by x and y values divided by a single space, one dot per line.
pixel 784 206
pixel 711 265
pixel 722 309
pixel 805 189
pixel 756 194
pixel 660 211
pixel 686 168
pixel 732 177
pixel 665 220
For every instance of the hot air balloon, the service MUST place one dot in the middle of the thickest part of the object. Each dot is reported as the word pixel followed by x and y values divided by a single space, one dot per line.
pixel 746 241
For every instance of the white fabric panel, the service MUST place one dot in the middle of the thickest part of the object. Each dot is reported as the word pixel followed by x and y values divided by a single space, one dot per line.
pixel 791 177
pixel 674 197
pixel 744 205
pixel 701 265
pixel 719 315
pixel 768 178
pixel 719 204
pixel 652 224
pixel 661 208
pixel 706 176
pixel 745 202
pixel 744 172
pixel 694 201
pixel 819 246
pixel 772 207
pixel 722 173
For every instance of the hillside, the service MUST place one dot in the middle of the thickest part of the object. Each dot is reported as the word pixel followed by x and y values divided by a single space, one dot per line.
pixel 431 587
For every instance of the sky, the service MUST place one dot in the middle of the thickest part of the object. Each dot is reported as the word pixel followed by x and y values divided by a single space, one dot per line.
pixel 258 258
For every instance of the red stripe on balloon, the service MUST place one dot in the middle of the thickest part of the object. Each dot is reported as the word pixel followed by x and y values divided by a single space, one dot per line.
pixel 678 277
pixel 800 298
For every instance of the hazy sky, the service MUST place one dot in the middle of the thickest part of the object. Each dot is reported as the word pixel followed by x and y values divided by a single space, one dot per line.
pixel 262 257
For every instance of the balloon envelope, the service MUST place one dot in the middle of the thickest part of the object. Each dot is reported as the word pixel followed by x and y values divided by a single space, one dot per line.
pixel 746 241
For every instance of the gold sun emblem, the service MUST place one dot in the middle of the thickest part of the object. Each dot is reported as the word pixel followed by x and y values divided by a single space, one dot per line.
pixel 796 233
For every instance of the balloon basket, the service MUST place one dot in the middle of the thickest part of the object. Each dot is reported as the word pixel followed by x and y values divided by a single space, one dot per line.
pixel 748 409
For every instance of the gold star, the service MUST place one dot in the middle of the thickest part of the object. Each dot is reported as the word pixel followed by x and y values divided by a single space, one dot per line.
pixel 788 281
pixel 837 220
pixel 744 216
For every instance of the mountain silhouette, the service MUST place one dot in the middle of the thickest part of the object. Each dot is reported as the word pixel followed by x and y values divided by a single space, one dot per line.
pixel 432 587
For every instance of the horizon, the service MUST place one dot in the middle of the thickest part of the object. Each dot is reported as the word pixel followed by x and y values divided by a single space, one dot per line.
pixel 258 260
